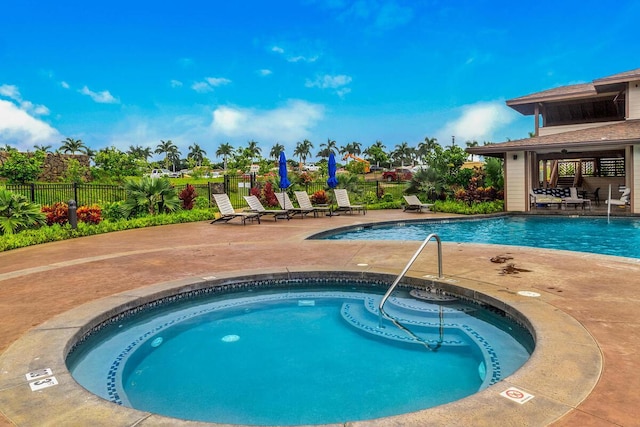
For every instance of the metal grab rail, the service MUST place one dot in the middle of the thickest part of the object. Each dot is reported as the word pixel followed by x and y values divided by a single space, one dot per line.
pixel 384 299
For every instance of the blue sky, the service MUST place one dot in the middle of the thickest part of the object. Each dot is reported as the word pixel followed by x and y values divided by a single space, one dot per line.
pixel 133 73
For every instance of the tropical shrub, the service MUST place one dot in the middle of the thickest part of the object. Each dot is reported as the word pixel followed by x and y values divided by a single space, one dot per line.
pixel 17 213
pixel 149 195
pixel 58 213
pixel 20 167
pixel 187 196
pixel 461 207
pixel 62 232
pixel 265 193
pixel 75 172
pixel 201 203
pixel 320 198
pixel 89 214
pixel 113 211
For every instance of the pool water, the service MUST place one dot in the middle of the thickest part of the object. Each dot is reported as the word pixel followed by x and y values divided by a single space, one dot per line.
pixel 297 357
pixel 619 236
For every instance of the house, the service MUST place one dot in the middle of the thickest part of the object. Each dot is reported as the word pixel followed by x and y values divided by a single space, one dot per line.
pixel 586 135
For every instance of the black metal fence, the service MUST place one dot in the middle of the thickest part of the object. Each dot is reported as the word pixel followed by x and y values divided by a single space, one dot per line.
pixel 236 186
pixel 83 194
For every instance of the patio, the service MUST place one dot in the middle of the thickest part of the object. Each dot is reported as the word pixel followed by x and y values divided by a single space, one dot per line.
pixel 39 283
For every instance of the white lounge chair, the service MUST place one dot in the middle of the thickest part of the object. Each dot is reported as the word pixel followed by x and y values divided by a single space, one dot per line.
pixel 414 204
pixel 287 205
pixel 575 200
pixel 256 206
pixel 305 202
pixel 342 199
pixel 623 201
pixel 227 213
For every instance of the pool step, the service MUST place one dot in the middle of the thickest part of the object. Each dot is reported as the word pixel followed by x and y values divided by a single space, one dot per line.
pixel 358 316
pixel 413 308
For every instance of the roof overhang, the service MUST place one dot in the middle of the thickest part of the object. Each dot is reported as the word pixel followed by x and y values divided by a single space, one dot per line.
pixel 610 137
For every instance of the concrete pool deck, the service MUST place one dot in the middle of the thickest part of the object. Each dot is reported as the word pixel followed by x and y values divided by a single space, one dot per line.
pixel 40 285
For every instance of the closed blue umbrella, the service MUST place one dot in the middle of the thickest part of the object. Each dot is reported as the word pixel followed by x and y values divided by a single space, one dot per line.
pixel 282 171
pixel 332 182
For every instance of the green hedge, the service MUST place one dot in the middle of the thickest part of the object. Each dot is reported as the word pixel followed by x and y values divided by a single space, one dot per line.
pixel 57 232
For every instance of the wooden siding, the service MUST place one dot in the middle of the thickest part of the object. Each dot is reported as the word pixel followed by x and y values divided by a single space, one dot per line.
pixel 635 179
pixel 552 130
pixel 515 192
pixel 633 100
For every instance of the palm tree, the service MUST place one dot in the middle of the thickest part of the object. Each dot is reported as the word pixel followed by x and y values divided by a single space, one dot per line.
pixel 253 150
pixel 377 153
pixel 303 150
pixel 43 148
pixel 174 157
pixel 327 148
pixel 402 152
pixel 139 152
pixel 276 150
pixel 70 145
pixel 471 144
pixel 196 153
pixel 225 150
pixel 153 195
pixel 166 147
pixel 355 148
pixel 426 148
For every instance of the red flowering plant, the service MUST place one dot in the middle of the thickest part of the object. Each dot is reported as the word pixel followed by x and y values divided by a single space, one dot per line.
pixel 58 213
pixel 265 193
pixel 269 195
pixel 320 198
pixel 188 195
pixel 89 214
pixel 305 178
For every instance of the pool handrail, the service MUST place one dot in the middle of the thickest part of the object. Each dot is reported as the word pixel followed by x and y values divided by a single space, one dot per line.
pixel 381 312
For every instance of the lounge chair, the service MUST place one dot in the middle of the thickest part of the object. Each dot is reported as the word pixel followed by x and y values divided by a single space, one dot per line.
pixel 414 204
pixel 305 202
pixel 342 199
pixel 285 203
pixel 227 213
pixel 256 206
pixel 623 201
pixel 575 200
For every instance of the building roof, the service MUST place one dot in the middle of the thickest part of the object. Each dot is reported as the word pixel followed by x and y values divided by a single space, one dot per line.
pixel 611 135
pixel 526 104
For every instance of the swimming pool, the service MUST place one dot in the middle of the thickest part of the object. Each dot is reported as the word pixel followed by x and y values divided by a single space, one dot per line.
pixel 619 237
pixel 297 356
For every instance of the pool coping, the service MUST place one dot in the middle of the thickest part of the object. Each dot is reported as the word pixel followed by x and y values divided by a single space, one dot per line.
pixel 563 346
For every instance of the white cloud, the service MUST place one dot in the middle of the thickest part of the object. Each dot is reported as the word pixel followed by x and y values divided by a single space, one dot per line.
pixel 301 58
pixel 217 81
pixel 265 72
pixel 176 83
pixel 209 84
pixel 65 85
pixel 290 122
pixel 103 97
pixel 202 87
pixel 18 127
pixel 10 91
pixel 294 58
pixel 478 122
pixel 331 82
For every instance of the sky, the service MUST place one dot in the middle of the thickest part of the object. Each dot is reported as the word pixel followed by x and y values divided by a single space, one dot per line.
pixel 123 73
